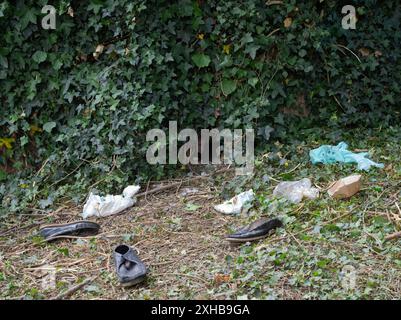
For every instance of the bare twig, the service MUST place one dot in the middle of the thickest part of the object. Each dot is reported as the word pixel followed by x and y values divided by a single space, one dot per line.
pixel 179 183
pixel 273 32
pixel 338 102
pixel 272 2
pixel 393 236
pixel 71 173
pixel 344 47
pixel 42 167
pixel 73 289
pixel 398 207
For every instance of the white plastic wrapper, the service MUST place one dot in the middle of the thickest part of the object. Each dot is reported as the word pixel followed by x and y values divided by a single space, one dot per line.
pixel 105 206
pixel 235 204
pixel 295 191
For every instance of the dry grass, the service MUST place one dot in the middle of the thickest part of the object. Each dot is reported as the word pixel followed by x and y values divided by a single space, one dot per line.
pixel 181 239
pixel 179 246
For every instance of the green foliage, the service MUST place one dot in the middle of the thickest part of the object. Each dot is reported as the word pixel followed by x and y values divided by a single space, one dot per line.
pixel 82 97
pixel 306 258
pixel 201 60
pixel 228 86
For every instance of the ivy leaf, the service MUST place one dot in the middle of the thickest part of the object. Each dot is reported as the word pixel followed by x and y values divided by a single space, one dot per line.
pixel 252 50
pixel 201 60
pixel 28 17
pixel 49 126
pixel 95 6
pixel 4 62
pixel 227 48
pixel 45 203
pixel 247 38
pixel 192 207
pixel 7 142
pixel 302 53
pixel 93 288
pixel 3 7
pixel 228 86
pixel 39 56
pixel 64 251
pixel 3 177
pixel 57 64
pixel 253 81
pixel 279 119
pixel 24 140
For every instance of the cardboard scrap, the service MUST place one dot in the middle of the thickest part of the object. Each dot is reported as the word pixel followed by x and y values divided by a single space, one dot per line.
pixel 346 187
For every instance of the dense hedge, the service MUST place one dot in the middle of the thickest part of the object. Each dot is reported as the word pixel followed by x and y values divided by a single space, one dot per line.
pixel 77 116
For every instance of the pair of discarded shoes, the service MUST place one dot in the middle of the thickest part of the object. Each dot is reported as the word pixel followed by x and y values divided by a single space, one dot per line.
pixel 129 267
pixel 257 230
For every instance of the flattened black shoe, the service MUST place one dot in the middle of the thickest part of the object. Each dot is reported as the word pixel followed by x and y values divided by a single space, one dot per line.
pixel 130 269
pixel 77 228
pixel 257 230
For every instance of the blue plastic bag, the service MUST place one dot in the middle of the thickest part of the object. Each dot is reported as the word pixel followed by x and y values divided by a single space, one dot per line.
pixel 331 154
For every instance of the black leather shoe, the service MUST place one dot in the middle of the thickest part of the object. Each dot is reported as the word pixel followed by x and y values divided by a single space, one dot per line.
pixel 130 269
pixel 257 230
pixel 78 228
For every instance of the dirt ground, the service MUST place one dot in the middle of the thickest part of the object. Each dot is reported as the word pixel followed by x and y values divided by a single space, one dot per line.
pixel 182 244
pixel 180 237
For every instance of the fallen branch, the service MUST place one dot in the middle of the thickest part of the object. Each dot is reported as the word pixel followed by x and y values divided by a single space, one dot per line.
pixel 179 183
pixel 393 236
pixel 73 289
